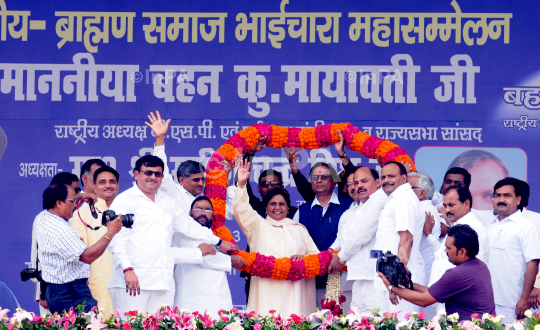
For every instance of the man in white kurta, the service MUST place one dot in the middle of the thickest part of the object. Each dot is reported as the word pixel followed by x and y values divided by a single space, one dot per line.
pixel 514 251
pixel 400 231
pixel 357 238
pixel 457 204
pixel 204 286
pixel 191 182
pixel 143 255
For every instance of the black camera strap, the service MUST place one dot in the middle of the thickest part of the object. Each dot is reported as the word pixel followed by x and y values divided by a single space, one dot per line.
pixel 92 209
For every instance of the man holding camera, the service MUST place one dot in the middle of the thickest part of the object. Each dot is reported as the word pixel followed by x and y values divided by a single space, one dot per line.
pixel 144 257
pixel 64 258
pixel 105 184
pixel 465 289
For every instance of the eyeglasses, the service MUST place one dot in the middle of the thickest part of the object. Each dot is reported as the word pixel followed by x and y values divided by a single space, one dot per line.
pixel 265 184
pixel 418 188
pixel 207 212
pixel 323 177
pixel 197 180
pixel 349 184
pixel 71 200
pixel 149 173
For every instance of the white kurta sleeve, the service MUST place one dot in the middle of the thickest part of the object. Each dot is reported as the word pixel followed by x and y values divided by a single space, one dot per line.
pixel 184 224
pixel 530 243
pixel 229 210
pixel 433 242
pixel 118 245
pixel 336 246
pixel 404 215
pixel 187 255
pixel 167 184
pixel 218 261
pixel 364 228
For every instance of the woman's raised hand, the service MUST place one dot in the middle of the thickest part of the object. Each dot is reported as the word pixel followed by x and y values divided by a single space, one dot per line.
pixel 243 172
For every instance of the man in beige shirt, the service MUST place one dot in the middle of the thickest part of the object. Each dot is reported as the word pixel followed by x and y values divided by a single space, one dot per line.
pixel 105 182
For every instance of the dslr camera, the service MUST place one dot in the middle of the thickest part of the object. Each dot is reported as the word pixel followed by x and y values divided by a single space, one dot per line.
pixel 110 215
pixel 29 273
pixel 392 268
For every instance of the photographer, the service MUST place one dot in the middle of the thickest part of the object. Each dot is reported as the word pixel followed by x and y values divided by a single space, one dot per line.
pixel 465 289
pixel 64 258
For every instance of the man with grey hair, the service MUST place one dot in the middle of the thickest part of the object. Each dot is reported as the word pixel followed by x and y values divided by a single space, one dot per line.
pixel 423 187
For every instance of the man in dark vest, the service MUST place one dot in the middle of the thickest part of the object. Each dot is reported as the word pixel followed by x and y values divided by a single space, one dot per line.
pixel 321 216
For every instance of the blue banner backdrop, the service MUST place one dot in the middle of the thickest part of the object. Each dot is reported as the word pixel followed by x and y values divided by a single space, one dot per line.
pixel 437 78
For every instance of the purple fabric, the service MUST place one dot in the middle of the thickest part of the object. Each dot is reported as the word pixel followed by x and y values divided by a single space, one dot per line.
pixel 465 289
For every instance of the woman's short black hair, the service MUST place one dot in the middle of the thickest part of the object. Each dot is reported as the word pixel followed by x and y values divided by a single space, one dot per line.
pixel 277 191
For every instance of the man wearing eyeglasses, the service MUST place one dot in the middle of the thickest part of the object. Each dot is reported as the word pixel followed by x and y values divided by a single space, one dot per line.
pixel 203 285
pixel 321 216
pixel 144 256
pixel 64 258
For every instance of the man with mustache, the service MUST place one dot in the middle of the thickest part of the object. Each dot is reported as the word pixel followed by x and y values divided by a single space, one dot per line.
pixel 514 251
pixel 191 181
pixel 204 285
pixel 106 185
pixel 144 256
pixel 457 207
pixel 357 238
pixel 321 216
pixel 400 231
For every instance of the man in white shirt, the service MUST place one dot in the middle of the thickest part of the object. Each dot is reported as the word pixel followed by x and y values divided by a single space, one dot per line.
pixel 321 216
pixel 64 258
pixel 357 238
pixel 60 178
pixel 144 257
pixel 423 187
pixel 457 208
pixel 204 285
pixel 514 251
pixel 400 231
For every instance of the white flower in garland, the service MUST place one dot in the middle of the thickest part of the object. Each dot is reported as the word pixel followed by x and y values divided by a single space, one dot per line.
pixel 528 313
pixel 537 327
pixel 234 326
pixel 498 318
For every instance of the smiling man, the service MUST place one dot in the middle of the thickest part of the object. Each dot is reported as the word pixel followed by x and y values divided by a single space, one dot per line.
pixel 321 216
pixel 457 207
pixel 400 230
pixel 514 251
pixel 144 257
pixel 358 227
pixel 203 285
pixel 105 184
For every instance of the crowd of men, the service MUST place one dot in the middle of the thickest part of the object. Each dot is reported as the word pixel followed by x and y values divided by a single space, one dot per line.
pixel 472 261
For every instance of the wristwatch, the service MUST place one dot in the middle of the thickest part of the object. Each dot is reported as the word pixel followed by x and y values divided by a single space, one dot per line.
pixel 390 289
pixel 219 243
pixel 344 155
pixel 341 261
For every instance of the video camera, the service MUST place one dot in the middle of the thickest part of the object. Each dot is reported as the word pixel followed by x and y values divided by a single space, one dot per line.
pixel 392 268
pixel 110 215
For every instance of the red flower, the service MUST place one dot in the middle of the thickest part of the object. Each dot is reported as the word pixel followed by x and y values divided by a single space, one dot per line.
pixel 536 315
pixel 126 326
pixel 224 319
pixel 421 315
pixel 474 316
pixel 234 310
pixel 272 311
pixel 130 313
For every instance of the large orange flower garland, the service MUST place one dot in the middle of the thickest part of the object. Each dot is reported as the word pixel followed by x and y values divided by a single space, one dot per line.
pixel 291 137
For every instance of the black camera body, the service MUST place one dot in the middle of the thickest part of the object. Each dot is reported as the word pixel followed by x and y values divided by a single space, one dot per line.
pixel 110 215
pixel 29 273
pixel 393 269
